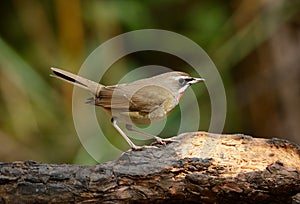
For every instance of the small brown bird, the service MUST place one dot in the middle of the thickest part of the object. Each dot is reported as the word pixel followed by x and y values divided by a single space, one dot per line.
pixel 137 103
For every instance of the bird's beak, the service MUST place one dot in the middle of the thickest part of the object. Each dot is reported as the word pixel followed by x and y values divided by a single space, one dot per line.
pixel 196 80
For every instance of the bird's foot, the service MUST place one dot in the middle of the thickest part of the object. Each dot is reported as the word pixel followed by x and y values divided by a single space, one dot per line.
pixel 140 148
pixel 163 141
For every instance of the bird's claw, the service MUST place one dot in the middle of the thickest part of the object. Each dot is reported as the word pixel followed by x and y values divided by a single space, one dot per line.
pixel 163 141
pixel 140 148
pixel 158 141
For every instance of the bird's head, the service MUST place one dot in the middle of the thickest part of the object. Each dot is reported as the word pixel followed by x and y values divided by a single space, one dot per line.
pixel 177 82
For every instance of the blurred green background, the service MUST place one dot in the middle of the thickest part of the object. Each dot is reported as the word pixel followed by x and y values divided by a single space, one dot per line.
pixel 254 44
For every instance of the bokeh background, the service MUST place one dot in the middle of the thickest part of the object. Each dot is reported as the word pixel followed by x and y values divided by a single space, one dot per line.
pixel 254 44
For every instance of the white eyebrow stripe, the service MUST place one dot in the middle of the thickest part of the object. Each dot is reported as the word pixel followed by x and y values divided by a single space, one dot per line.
pixel 181 77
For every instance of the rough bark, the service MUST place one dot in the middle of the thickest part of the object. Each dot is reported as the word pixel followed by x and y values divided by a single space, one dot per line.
pixel 198 168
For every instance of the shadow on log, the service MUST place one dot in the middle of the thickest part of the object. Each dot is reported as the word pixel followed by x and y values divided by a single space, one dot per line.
pixel 199 168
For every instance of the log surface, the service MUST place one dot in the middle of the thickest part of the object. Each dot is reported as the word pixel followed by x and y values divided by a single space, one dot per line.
pixel 198 168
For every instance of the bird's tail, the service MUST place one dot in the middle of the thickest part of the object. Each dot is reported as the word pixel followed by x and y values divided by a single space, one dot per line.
pixel 79 81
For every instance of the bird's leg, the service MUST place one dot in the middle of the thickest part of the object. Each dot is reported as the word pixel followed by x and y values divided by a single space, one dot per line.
pixel 133 146
pixel 158 139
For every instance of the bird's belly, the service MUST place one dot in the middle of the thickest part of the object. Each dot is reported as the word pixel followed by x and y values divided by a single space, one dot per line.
pixel 137 118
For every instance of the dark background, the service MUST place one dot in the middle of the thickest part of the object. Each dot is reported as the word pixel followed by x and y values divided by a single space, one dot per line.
pixel 254 44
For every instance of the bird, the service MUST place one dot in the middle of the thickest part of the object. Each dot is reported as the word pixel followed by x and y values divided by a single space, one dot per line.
pixel 140 102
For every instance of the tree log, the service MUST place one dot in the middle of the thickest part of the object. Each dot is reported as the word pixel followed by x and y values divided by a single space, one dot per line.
pixel 198 168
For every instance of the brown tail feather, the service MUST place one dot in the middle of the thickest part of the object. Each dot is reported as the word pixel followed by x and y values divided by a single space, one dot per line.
pixel 79 81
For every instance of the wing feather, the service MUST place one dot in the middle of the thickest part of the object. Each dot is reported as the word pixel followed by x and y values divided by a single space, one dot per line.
pixel 144 100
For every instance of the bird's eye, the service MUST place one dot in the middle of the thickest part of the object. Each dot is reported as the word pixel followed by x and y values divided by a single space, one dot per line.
pixel 182 82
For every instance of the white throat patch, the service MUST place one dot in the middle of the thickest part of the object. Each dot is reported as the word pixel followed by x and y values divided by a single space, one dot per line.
pixel 182 89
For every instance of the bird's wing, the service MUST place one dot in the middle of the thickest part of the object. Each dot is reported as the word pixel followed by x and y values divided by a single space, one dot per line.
pixel 145 99
pixel 149 98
